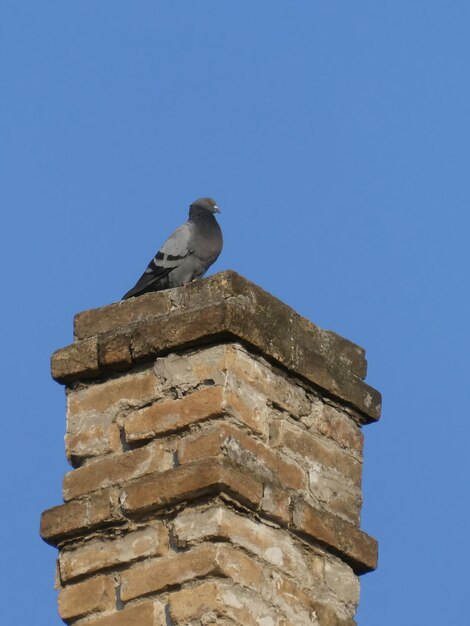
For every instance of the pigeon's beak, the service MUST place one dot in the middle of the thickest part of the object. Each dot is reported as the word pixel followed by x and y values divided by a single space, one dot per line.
pixel 216 209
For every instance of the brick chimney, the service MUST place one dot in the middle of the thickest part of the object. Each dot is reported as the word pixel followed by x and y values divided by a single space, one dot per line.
pixel 217 446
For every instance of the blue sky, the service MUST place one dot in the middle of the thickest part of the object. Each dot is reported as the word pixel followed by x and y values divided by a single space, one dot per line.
pixel 335 137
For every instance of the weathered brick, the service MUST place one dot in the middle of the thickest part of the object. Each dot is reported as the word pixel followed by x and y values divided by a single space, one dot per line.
pixel 248 381
pixel 218 600
pixel 346 506
pixel 342 583
pixel 188 370
pixel 273 545
pixel 225 439
pixel 276 502
pixel 121 314
pixel 330 491
pixel 159 574
pixel 94 441
pixel 103 508
pixel 243 570
pixel 210 365
pixel 90 596
pixel 217 560
pixel 173 415
pixel 114 351
pixel 267 379
pixel 79 516
pixel 328 617
pixel 248 406
pixel 144 614
pixel 101 402
pixel 77 361
pixel 306 446
pixel 340 427
pixel 116 469
pixel 64 520
pixel 357 548
pixel 205 560
pixel 182 329
pixel 188 481
pixel 103 552
pixel 92 412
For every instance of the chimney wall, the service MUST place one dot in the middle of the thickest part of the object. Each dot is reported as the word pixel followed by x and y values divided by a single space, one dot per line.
pixel 217 449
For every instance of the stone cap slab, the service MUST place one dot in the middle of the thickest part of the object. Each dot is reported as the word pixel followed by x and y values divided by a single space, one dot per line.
pixel 223 307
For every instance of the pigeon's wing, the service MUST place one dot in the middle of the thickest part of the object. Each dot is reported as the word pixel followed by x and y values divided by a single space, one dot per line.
pixel 170 256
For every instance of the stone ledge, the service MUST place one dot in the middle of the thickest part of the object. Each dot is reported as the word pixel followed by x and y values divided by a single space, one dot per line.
pixel 213 476
pixel 223 307
pixel 207 292
pixel 79 517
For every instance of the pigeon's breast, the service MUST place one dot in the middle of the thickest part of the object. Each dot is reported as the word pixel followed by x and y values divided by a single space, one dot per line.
pixel 209 242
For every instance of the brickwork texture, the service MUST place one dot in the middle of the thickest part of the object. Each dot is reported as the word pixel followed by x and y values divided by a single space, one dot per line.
pixel 216 440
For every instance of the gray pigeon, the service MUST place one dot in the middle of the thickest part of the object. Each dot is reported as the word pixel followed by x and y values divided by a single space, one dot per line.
pixel 187 254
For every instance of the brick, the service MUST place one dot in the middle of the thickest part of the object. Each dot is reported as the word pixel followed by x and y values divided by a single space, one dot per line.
pixel 104 552
pixel 214 601
pixel 346 506
pixel 248 381
pixel 95 441
pixel 340 427
pixel 328 617
pixel 90 596
pixel 159 574
pixel 276 502
pixel 267 379
pixel 116 469
pixel 224 439
pixel 274 545
pixel 342 583
pixel 241 569
pixel 144 614
pixel 92 413
pixel 215 560
pixel 182 329
pixel 291 597
pixel 121 314
pixel 102 508
pixel 205 560
pixel 173 415
pixel 188 370
pixel 306 446
pixel 329 491
pixel 64 520
pixel 114 351
pixel 249 407
pixel 77 361
pixel 189 481
pixel 101 402
pixel 78 517
pixel 354 546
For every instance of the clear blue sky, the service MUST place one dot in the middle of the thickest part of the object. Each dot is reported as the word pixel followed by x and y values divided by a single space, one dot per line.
pixel 335 137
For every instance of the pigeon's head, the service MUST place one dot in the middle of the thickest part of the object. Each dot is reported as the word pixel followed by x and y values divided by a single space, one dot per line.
pixel 204 204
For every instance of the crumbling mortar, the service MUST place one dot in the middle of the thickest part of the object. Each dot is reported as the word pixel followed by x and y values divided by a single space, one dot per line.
pixel 331 444
pixel 306 545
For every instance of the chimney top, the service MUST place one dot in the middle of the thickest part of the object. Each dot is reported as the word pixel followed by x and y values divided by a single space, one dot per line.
pixel 225 306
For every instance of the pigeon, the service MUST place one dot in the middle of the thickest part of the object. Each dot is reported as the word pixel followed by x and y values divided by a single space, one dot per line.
pixel 187 254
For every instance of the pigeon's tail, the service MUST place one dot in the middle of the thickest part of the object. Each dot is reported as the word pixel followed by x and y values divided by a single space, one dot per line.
pixel 145 286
